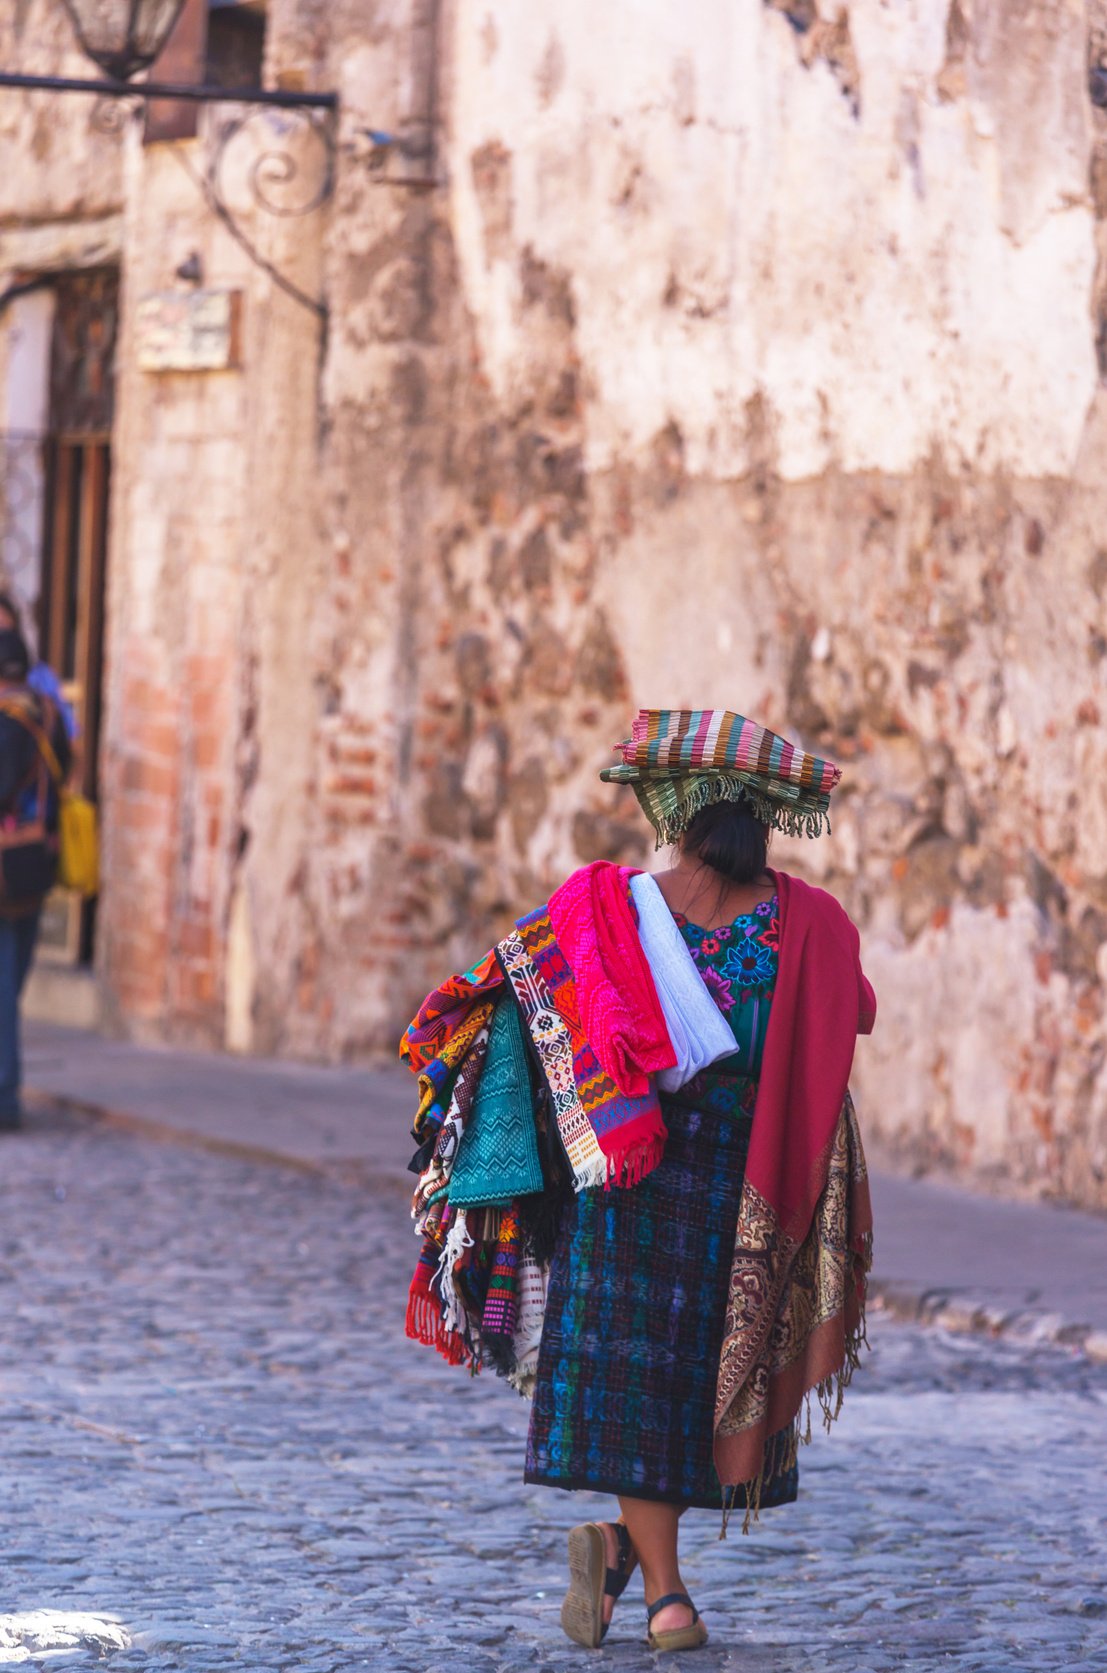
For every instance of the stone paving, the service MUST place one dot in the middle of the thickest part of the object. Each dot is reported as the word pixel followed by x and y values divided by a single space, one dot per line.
pixel 219 1450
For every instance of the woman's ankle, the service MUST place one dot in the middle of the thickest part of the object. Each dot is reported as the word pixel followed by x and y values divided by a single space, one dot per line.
pixel 655 1585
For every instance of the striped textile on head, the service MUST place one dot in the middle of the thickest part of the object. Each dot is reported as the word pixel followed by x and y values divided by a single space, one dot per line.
pixel 681 760
pixel 680 739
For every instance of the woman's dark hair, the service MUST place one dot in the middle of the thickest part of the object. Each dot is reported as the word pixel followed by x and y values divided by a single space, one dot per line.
pixel 8 607
pixel 14 661
pixel 730 839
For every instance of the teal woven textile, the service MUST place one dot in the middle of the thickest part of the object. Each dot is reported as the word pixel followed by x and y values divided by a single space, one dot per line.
pixel 497 1159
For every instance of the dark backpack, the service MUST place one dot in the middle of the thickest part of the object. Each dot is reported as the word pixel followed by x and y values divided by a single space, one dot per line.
pixel 28 821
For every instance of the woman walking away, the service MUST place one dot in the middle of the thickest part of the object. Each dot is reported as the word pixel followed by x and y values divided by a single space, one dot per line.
pixel 642 1191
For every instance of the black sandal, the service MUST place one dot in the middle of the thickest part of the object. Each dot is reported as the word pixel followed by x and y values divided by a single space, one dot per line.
pixel 590 1581
pixel 675 1638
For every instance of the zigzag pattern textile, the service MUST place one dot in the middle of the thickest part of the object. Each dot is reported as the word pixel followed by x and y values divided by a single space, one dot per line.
pixel 438 1038
pixel 609 1138
pixel 497 1159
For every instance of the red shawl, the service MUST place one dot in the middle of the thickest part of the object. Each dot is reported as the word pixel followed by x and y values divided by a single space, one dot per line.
pixel 803 1243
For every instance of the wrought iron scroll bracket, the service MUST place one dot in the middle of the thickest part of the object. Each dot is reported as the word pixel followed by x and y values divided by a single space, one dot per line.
pixel 274 176
pixel 275 180
pixel 275 172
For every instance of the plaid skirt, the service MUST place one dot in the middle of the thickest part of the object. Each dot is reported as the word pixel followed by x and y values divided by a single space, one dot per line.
pixel 635 1313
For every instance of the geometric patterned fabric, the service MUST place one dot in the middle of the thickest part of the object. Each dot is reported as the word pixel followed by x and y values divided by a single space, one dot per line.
pixel 497 1159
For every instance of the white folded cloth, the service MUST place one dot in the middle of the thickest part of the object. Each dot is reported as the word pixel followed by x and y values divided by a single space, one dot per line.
pixel 697 1028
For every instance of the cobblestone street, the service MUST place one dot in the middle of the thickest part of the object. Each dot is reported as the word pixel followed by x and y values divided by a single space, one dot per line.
pixel 217 1438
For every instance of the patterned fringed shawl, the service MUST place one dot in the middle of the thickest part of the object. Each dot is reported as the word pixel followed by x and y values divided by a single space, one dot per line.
pixel 803 1247
pixel 610 1138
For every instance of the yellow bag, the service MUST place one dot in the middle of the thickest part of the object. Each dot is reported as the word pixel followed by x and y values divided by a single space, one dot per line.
pixel 78 837
pixel 79 858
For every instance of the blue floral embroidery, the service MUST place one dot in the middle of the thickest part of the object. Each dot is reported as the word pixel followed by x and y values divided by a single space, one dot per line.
pixel 750 964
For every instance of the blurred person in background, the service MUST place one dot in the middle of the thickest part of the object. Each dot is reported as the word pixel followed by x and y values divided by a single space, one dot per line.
pixel 35 759
pixel 42 677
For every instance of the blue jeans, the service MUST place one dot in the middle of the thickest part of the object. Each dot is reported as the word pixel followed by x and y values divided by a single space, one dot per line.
pixel 17 949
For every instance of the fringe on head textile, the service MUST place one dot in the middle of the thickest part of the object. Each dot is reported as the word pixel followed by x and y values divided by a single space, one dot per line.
pixel 673 803
pixel 681 760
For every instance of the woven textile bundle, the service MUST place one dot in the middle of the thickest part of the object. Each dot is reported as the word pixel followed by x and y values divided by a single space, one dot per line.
pixel 681 760
pixel 497 1158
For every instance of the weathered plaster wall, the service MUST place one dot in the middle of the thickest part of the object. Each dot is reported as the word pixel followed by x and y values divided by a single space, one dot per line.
pixel 208 712
pixel 772 380
pixel 750 353
pixel 860 251
pixel 58 166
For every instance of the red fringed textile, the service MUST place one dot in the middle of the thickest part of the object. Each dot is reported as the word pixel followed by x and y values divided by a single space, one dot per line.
pixel 640 1154
pixel 620 1013
pixel 804 1240
pixel 423 1322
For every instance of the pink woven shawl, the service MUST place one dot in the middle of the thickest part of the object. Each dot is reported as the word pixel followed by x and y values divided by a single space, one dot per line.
pixel 597 930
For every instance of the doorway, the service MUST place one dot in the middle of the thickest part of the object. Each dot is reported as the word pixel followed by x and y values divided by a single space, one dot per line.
pixel 70 606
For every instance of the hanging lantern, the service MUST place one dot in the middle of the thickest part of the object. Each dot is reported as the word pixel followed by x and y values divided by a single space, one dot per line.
pixel 123 36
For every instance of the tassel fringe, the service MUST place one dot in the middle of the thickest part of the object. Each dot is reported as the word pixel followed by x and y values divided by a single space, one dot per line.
pixel 458 1239
pixel 794 821
pixel 830 1394
pixel 629 1167
pixel 424 1323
